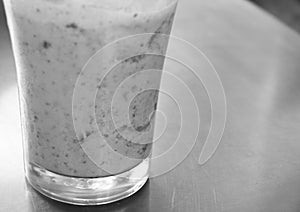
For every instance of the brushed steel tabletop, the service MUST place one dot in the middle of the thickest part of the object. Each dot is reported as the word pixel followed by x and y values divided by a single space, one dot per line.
pixel 257 164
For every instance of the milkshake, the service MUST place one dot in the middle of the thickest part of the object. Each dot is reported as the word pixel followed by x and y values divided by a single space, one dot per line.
pixel 53 40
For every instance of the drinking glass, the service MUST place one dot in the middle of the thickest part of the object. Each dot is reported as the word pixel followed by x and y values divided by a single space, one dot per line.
pixel 77 149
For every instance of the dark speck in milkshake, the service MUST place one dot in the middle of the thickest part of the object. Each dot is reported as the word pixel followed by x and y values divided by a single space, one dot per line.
pixel 72 25
pixel 46 44
pixel 142 128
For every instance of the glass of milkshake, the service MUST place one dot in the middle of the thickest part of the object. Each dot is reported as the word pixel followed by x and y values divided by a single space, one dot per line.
pixel 77 149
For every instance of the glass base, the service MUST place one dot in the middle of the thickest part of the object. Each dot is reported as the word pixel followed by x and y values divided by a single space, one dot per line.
pixel 87 191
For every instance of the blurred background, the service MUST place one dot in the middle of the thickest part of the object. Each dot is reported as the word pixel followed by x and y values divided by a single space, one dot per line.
pixel 287 11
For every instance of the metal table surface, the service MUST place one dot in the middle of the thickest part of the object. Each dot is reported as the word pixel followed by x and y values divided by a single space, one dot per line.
pixel 257 165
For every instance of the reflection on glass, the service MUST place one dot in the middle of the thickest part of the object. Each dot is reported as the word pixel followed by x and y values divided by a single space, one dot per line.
pixel 39 203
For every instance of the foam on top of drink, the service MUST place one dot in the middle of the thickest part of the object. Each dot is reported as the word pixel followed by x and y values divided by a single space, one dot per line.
pixel 87 12
pixel 119 5
pixel 131 5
